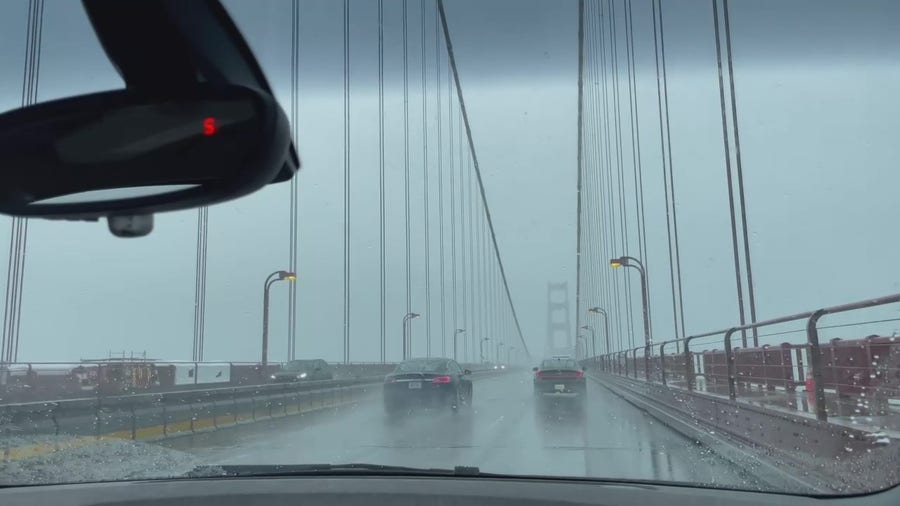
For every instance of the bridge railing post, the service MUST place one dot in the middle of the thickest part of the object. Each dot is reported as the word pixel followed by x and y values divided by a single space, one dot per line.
pixel 625 361
pixel 730 366
pixel 662 362
pixel 815 363
pixel 635 363
pixel 647 352
pixel 688 364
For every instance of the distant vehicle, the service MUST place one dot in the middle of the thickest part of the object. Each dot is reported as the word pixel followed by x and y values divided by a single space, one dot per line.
pixel 560 379
pixel 303 370
pixel 427 383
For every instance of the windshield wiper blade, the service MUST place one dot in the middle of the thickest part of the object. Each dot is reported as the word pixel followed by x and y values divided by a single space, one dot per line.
pixel 325 469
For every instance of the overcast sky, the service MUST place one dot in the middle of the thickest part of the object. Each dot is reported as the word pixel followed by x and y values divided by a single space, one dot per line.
pixel 816 91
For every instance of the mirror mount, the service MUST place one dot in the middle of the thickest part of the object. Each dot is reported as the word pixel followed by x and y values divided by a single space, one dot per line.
pixel 136 225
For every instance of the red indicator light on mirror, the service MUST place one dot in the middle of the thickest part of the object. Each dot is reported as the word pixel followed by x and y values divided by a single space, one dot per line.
pixel 209 126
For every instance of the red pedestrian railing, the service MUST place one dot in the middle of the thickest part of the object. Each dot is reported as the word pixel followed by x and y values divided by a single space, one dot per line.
pixel 866 369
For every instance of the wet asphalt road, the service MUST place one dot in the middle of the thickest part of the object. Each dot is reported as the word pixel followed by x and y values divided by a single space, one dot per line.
pixel 504 433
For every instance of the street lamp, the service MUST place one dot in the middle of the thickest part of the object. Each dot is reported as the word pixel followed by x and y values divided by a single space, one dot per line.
pixel 406 346
pixel 481 347
pixel 580 340
pixel 600 310
pixel 593 338
pixel 270 279
pixel 458 332
pixel 627 261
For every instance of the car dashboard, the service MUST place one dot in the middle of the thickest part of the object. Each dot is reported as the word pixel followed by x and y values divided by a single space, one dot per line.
pixel 367 490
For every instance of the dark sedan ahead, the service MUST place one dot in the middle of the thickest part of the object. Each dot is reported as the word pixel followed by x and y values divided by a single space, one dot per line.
pixel 427 383
pixel 558 379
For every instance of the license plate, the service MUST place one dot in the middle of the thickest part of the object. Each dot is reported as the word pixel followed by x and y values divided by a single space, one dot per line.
pixel 415 384
pixel 560 388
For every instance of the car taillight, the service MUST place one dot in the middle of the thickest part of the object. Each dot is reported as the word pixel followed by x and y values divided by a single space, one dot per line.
pixel 580 374
pixel 537 375
pixel 441 379
pixel 390 379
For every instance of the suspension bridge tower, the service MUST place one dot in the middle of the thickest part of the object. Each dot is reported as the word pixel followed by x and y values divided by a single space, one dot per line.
pixel 559 330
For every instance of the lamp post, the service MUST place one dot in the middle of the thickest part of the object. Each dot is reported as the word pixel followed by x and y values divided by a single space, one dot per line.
pixel 582 343
pixel 600 310
pixel 406 346
pixel 481 347
pixel 593 338
pixel 458 332
pixel 271 279
pixel 627 261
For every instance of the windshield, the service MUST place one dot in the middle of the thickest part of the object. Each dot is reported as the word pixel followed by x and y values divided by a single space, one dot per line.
pixel 693 203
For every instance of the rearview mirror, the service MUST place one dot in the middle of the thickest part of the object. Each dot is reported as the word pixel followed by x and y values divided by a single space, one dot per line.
pixel 125 155
pixel 535 369
pixel 466 371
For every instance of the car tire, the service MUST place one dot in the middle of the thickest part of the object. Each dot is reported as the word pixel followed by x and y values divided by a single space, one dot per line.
pixel 457 405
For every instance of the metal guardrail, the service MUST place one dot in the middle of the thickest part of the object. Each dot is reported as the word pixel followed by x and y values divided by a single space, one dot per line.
pixel 53 381
pixel 161 415
pixel 620 362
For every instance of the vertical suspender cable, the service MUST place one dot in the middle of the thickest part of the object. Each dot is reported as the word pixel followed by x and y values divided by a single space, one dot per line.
pixel 195 351
pixel 478 298
pixel 427 316
pixel 662 148
pixel 453 279
pixel 9 347
pixel 200 283
pixel 604 215
pixel 620 164
pixel 610 198
pixel 203 282
pixel 472 263
pixel 636 145
pixel 347 181
pixel 596 269
pixel 406 155
pixel 382 283
pixel 440 172
pixel 463 231
pixel 665 89
pixel 587 277
pixel 728 175
pixel 591 167
pixel 294 225
pixel 740 174
pixel 580 166
pixel 474 159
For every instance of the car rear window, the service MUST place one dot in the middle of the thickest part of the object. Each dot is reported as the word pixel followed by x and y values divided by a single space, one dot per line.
pixel 423 366
pixel 559 364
